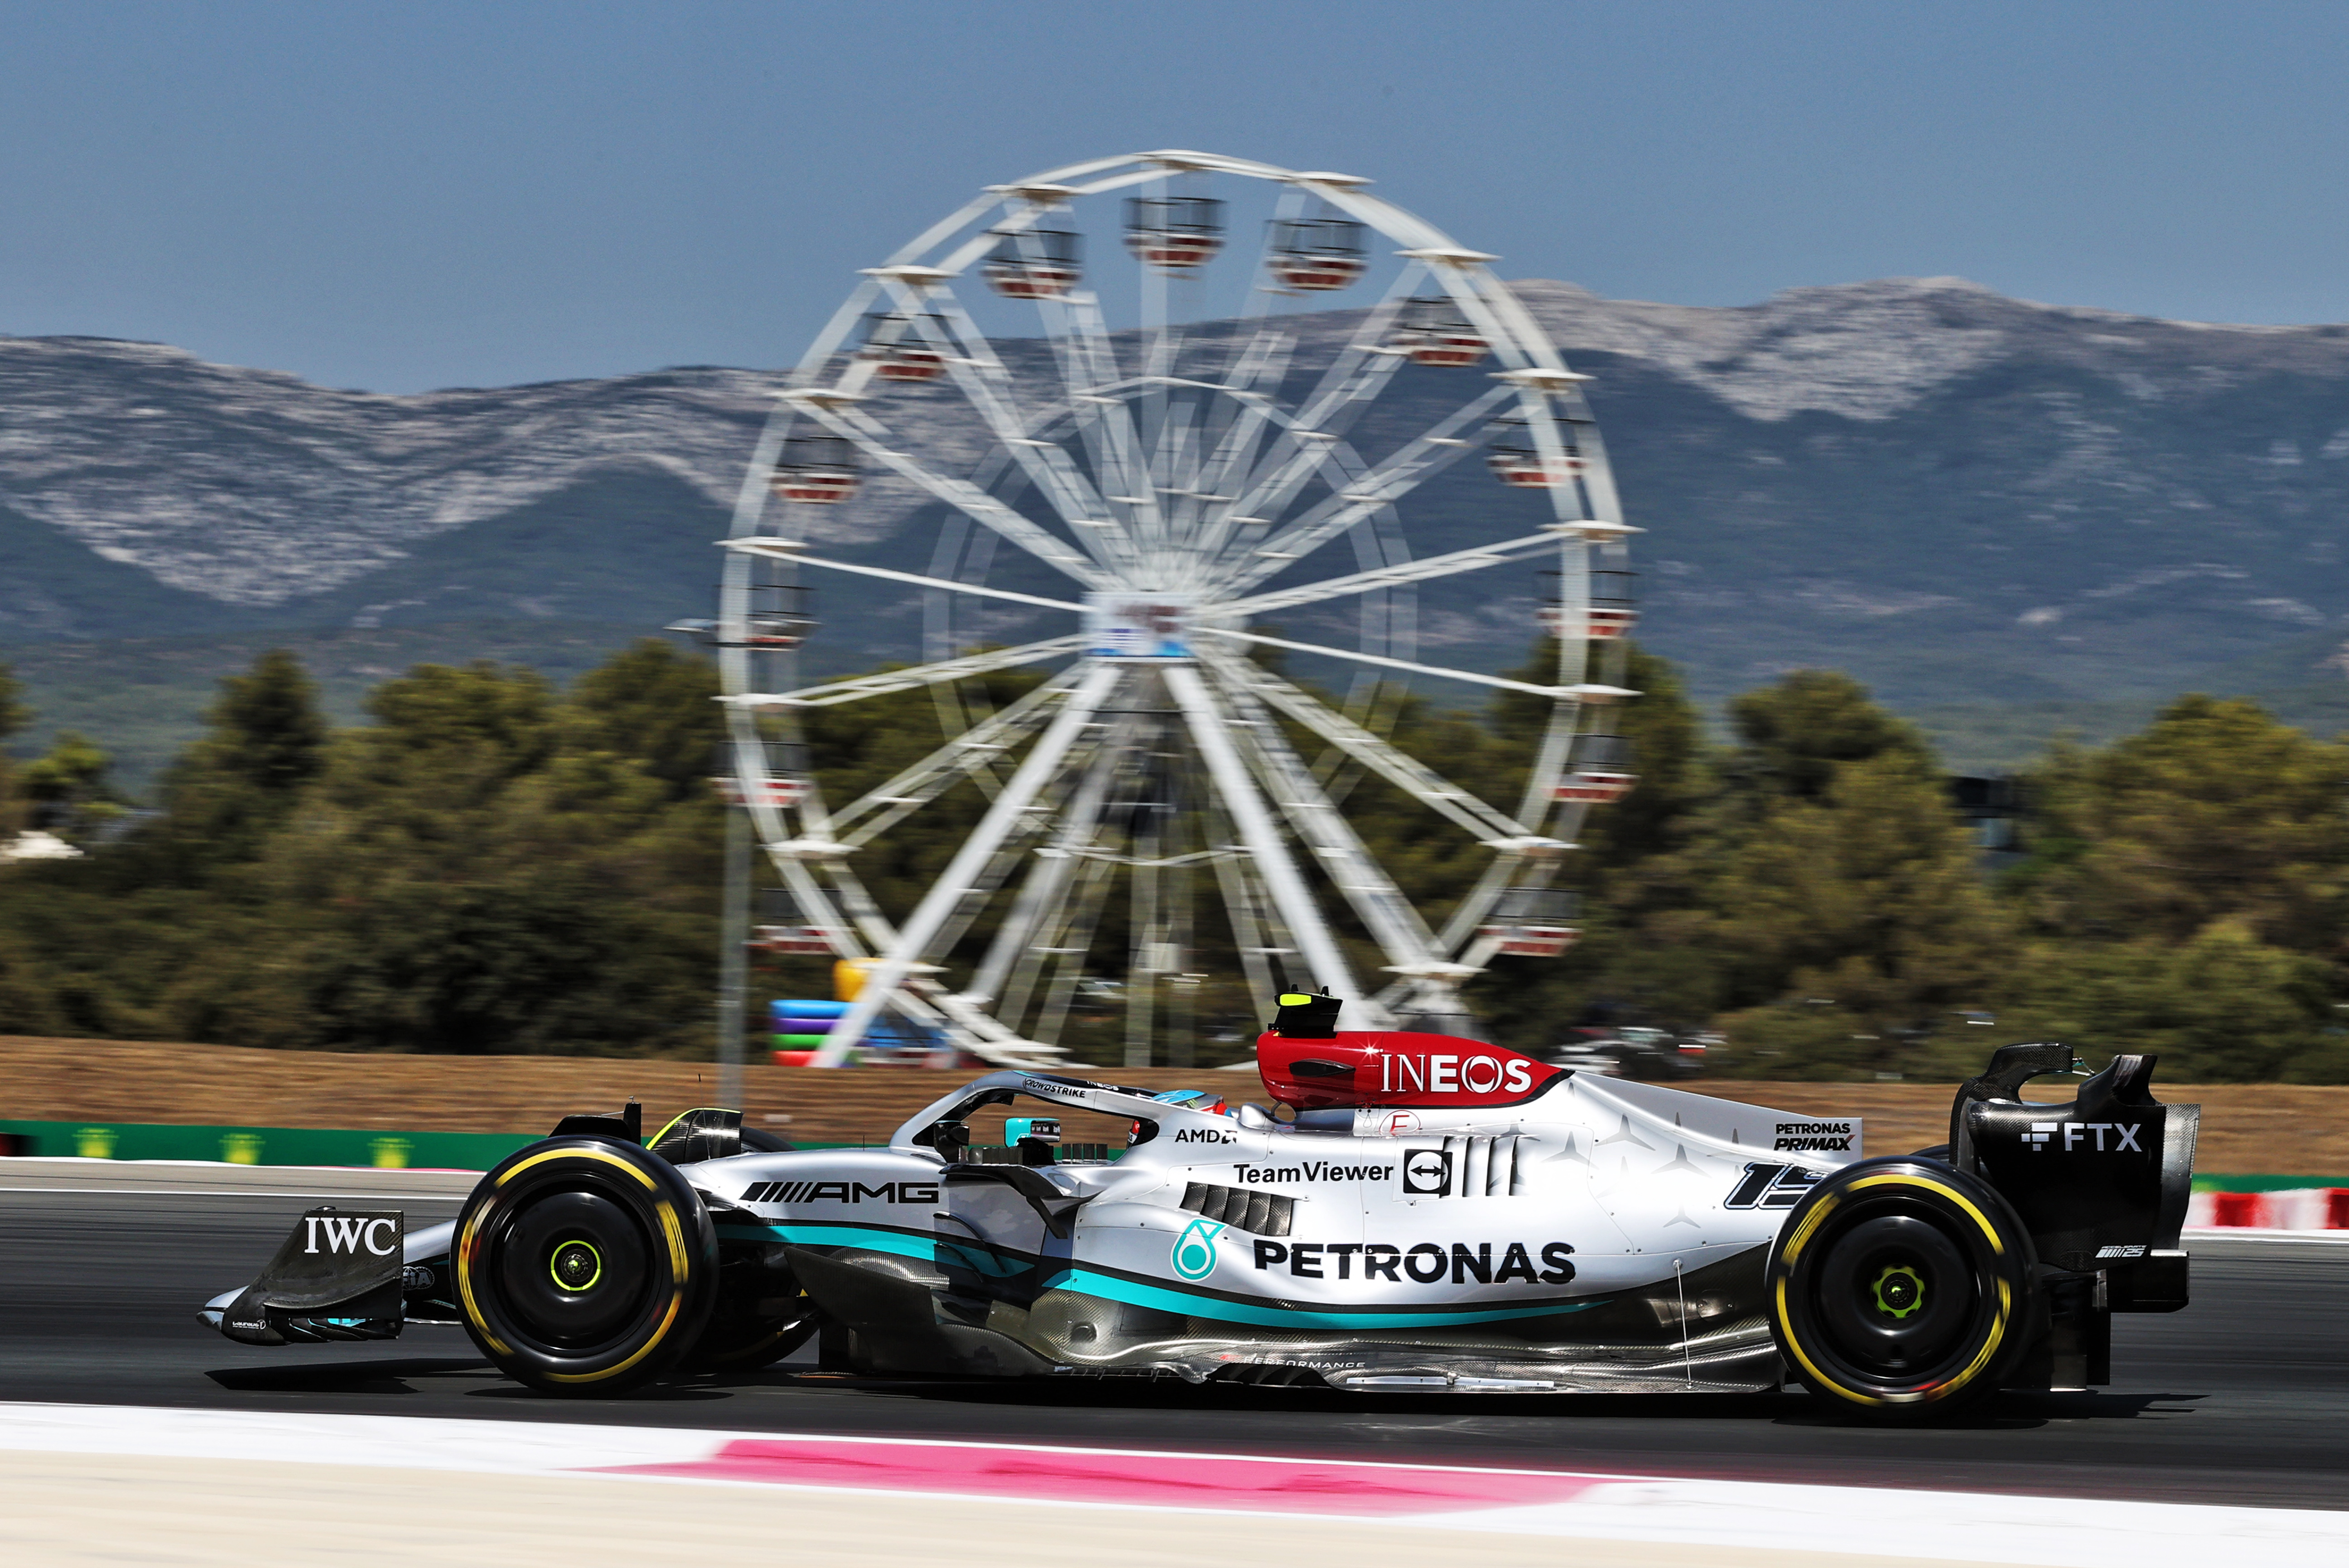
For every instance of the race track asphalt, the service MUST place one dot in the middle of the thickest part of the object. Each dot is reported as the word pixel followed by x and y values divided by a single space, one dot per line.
pixel 2242 1398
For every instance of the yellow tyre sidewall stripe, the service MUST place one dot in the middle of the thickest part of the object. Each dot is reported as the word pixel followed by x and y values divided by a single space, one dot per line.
pixel 1801 1238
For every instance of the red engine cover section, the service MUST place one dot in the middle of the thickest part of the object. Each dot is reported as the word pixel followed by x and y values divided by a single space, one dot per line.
pixel 1396 1068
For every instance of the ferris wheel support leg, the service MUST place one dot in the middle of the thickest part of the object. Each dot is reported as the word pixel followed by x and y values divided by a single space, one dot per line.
pixel 938 904
pixel 1251 816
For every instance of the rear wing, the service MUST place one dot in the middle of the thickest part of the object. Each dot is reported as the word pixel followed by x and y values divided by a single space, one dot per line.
pixel 2101 1182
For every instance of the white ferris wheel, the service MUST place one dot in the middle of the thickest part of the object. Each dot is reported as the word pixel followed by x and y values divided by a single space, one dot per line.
pixel 1214 461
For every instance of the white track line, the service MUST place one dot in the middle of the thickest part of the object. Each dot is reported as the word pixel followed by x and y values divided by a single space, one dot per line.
pixel 2058 1531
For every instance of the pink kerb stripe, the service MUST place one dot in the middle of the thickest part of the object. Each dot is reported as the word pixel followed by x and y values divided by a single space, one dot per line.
pixel 1174 1480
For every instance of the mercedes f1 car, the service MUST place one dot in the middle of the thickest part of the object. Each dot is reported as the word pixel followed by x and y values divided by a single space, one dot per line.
pixel 1436 1215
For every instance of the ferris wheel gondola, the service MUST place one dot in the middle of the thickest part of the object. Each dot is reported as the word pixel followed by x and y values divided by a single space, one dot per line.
pixel 1185 476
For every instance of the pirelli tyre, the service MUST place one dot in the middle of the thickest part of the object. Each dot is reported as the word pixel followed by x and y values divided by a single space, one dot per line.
pixel 585 1265
pixel 1900 1289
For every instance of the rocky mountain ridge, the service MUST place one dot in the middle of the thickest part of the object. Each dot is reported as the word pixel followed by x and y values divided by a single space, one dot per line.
pixel 1963 497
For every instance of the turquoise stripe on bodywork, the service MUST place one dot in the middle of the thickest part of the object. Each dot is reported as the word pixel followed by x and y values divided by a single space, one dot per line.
pixel 818 1233
pixel 1195 1305
pixel 1134 1292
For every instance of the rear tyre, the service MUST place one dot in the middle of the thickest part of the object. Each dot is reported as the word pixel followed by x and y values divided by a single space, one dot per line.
pixel 584 1266
pixel 1901 1290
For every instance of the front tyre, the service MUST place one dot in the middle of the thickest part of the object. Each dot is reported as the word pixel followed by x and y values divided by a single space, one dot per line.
pixel 585 1265
pixel 1901 1289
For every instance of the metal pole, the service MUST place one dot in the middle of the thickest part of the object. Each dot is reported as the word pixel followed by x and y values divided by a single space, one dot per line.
pixel 733 958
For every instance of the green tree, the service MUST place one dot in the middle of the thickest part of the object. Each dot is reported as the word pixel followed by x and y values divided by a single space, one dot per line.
pixel 659 706
pixel 1649 952
pixel 67 786
pixel 15 717
pixel 1798 732
pixel 1860 916
pixel 265 744
pixel 2220 1007
pixel 2214 811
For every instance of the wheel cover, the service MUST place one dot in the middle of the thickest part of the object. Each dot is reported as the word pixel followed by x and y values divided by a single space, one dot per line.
pixel 572 1267
pixel 1933 1301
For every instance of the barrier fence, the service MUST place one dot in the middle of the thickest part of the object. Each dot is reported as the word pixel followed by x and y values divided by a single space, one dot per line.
pixel 260 1145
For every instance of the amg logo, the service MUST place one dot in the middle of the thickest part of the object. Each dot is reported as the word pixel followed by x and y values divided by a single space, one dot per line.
pixel 840 1192
pixel 349 1235
pixel 1770 1187
pixel 1313 1171
pixel 1205 1135
pixel 2077 1133
pixel 1426 1262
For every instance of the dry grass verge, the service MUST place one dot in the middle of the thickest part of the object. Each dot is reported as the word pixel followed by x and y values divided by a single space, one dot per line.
pixel 2246 1128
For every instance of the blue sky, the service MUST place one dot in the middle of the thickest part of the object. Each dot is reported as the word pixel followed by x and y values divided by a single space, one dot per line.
pixel 400 197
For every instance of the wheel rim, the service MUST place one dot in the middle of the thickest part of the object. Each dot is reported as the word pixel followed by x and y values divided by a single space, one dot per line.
pixel 572 1267
pixel 1898 1296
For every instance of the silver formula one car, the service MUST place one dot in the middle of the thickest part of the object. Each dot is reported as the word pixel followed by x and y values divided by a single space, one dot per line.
pixel 1441 1215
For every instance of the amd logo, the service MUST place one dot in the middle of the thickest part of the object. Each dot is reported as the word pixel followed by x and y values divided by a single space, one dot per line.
pixel 2076 1133
pixel 1205 1135
pixel 350 1235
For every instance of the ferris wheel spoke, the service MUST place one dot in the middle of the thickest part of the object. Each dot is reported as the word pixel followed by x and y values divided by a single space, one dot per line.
pixel 1501 682
pixel 848 908
pixel 1117 439
pixel 990 877
pixel 1240 910
pixel 1400 769
pixel 1359 489
pixel 983 379
pixel 968 756
pixel 938 905
pixel 1076 940
pixel 920 675
pixel 1475 558
pixel 872 438
pixel 1211 733
pixel 1359 496
pixel 817 907
pixel 1261 363
pixel 794 551
pixel 1359 371
pixel 1390 917
pixel 1047 883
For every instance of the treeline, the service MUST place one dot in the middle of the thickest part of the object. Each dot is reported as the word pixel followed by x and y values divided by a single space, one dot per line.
pixel 493 865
